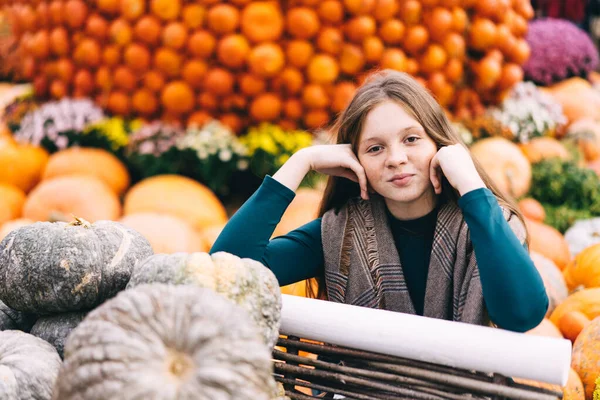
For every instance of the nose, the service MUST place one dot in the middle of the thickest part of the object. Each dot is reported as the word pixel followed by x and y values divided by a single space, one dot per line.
pixel 396 156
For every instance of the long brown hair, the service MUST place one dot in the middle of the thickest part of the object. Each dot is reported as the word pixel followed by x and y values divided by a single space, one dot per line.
pixel 396 86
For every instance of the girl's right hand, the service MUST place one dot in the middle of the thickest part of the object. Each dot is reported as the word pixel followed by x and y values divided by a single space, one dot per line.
pixel 337 160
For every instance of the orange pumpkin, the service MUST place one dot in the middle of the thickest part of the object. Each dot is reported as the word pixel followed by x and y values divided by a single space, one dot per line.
pixel 532 209
pixel 573 390
pixel 586 301
pixel 572 323
pixel 505 164
pixel 548 242
pixel 586 133
pixel 586 356
pixel 166 233
pixel 11 202
pixel 303 209
pixel 80 195
pixel 179 196
pixel 21 165
pixel 210 234
pixel 555 285
pixel 577 98
pixel 541 148
pixel 584 269
pixel 89 161
pixel 11 225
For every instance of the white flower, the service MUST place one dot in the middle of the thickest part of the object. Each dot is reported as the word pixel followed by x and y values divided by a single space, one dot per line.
pixel 225 155
pixel 242 164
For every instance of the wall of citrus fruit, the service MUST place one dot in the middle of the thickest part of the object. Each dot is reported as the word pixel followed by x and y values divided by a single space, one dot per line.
pixel 295 63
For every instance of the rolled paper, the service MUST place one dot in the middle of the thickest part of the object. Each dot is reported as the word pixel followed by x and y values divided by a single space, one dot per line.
pixel 453 344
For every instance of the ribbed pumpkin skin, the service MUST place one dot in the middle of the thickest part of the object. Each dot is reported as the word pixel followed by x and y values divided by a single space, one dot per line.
pixel 166 342
pixel 587 301
pixel 15 320
pixel 87 265
pixel 246 282
pixel 586 356
pixel 55 329
pixel 28 367
pixel 584 269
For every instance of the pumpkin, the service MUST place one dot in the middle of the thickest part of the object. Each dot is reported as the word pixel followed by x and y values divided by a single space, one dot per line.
pixel 548 242
pixel 303 209
pixel 10 226
pixel 583 234
pixel 60 198
pixel 28 366
pixel 54 267
pixel 15 320
pixel 584 269
pixel 532 209
pixel 577 98
pixel 179 196
pixel 573 390
pixel 586 300
pixel 11 202
pixel 21 165
pixel 505 164
pixel 586 356
pixel 210 235
pixel 541 148
pixel 244 281
pixel 586 133
pixel 166 233
pixel 89 161
pixel 546 328
pixel 554 282
pixel 572 323
pixel 55 329
pixel 165 342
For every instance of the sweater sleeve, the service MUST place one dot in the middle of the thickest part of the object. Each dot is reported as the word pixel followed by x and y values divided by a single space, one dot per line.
pixel 513 290
pixel 293 257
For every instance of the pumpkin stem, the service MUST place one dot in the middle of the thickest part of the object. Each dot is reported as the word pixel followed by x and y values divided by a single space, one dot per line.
pixel 80 222
pixel 179 364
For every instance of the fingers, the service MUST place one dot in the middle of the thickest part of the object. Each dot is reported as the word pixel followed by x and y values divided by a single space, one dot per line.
pixel 359 171
pixel 435 174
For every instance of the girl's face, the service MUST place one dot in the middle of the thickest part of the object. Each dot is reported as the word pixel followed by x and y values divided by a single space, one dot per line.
pixel 396 153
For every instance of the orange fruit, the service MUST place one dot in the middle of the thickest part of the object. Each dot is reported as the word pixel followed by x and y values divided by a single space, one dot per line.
pixel 177 97
pixel 322 68
pixel 233 121
pixel 455 46
pixel 454 70
pixel 352 59
pixel 439 22
pixel 521 51
pixel 133 9
pixel 299 52
pixel 58 89
pixel 505 40
pixel 201 44
pixel 233 50
pixel 302 22
pixel 292 108
pixel 43 15
pixel 251 85
pixel 108 6
pixel 393 59
pixel 290 81
pixel 489 71
pixel 219 81
pixel 359 7
pixel 167 61
pixel 330 40
pixel 59 41
pixel 482 34
pixel 40 45
pixel 193 16
pixel 314 96
pixel 416 39
pixel 40 85
pixel 147 30
pixel 314 119
pixel 83 82
pixel 223 18
pixel 28 67
pixel 120 32
pixel 410 12
pixel 87 53
pixel 124 78
pixel 166 9
pixel 174 35
pixel 65 69
pixel 199 118
pixel 265 107
pixel 360 28
pixel 56 10
pixel 459 19
pixel 144 102
pixel 137 57
pixel 412 66
pixel 118 103
pixel 385 9
pixel 193 73
pixel 111 55
pixel 103 79
pixel 76 12
pixel 331 11
pixel 262 22
pixel 154 81
pixel 392 31
pixel 433 59
pixel 288 124
pixel 208 101
pixel 342 95
pixel 373 49
pixel 511 75
pixel 233 102
pixel 97 27
pixel 266 59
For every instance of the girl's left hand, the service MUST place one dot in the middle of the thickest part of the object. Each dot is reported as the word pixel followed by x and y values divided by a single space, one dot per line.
pixel 456 164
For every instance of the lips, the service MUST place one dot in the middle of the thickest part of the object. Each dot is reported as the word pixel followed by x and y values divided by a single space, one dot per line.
pixel 401 179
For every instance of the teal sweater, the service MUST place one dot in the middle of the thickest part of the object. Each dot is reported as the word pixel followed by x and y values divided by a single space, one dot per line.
pixel 513 290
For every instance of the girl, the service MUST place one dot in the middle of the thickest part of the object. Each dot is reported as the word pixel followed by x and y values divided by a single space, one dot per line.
pixel 409 221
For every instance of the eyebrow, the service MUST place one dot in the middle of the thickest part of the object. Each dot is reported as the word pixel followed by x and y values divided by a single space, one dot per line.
pixel 407 129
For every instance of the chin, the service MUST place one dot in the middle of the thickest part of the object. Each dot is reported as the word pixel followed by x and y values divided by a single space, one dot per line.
pixel 402 195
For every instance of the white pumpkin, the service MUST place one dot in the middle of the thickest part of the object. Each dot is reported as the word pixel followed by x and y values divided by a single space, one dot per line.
pixel 583 234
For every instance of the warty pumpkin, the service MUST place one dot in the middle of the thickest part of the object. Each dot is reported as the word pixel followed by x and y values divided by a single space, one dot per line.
pixel 548 242
pixel 541 148
pixel 244 281
pixel 584 269
pixel 303 209
pixel 12 200
pixel 89 161
pixel 54 267
pixel 583 234
pixel 166 233
pixel 60 198
pixel 15 320
pixel 166 342
pixel 178 196
pixel 554 282
pixel 28 367
pixel 586 356
pixel 55 329
pixel 21 165
pixel 505 164
pixel 11 225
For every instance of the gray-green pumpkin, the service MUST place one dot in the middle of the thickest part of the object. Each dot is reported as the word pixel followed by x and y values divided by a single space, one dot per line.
pixel 166 342
pixel 55 267
pixel 28 367
pixel 55 329
pixel 15 320
pixel 244 281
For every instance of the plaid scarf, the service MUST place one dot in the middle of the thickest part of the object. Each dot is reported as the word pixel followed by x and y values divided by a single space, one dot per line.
pixel 363 268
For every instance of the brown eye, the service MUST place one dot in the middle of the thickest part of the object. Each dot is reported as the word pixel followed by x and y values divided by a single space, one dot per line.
pixel 374 149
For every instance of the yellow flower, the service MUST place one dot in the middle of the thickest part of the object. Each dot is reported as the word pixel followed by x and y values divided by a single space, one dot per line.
pixel 597 390
pixel 282 159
